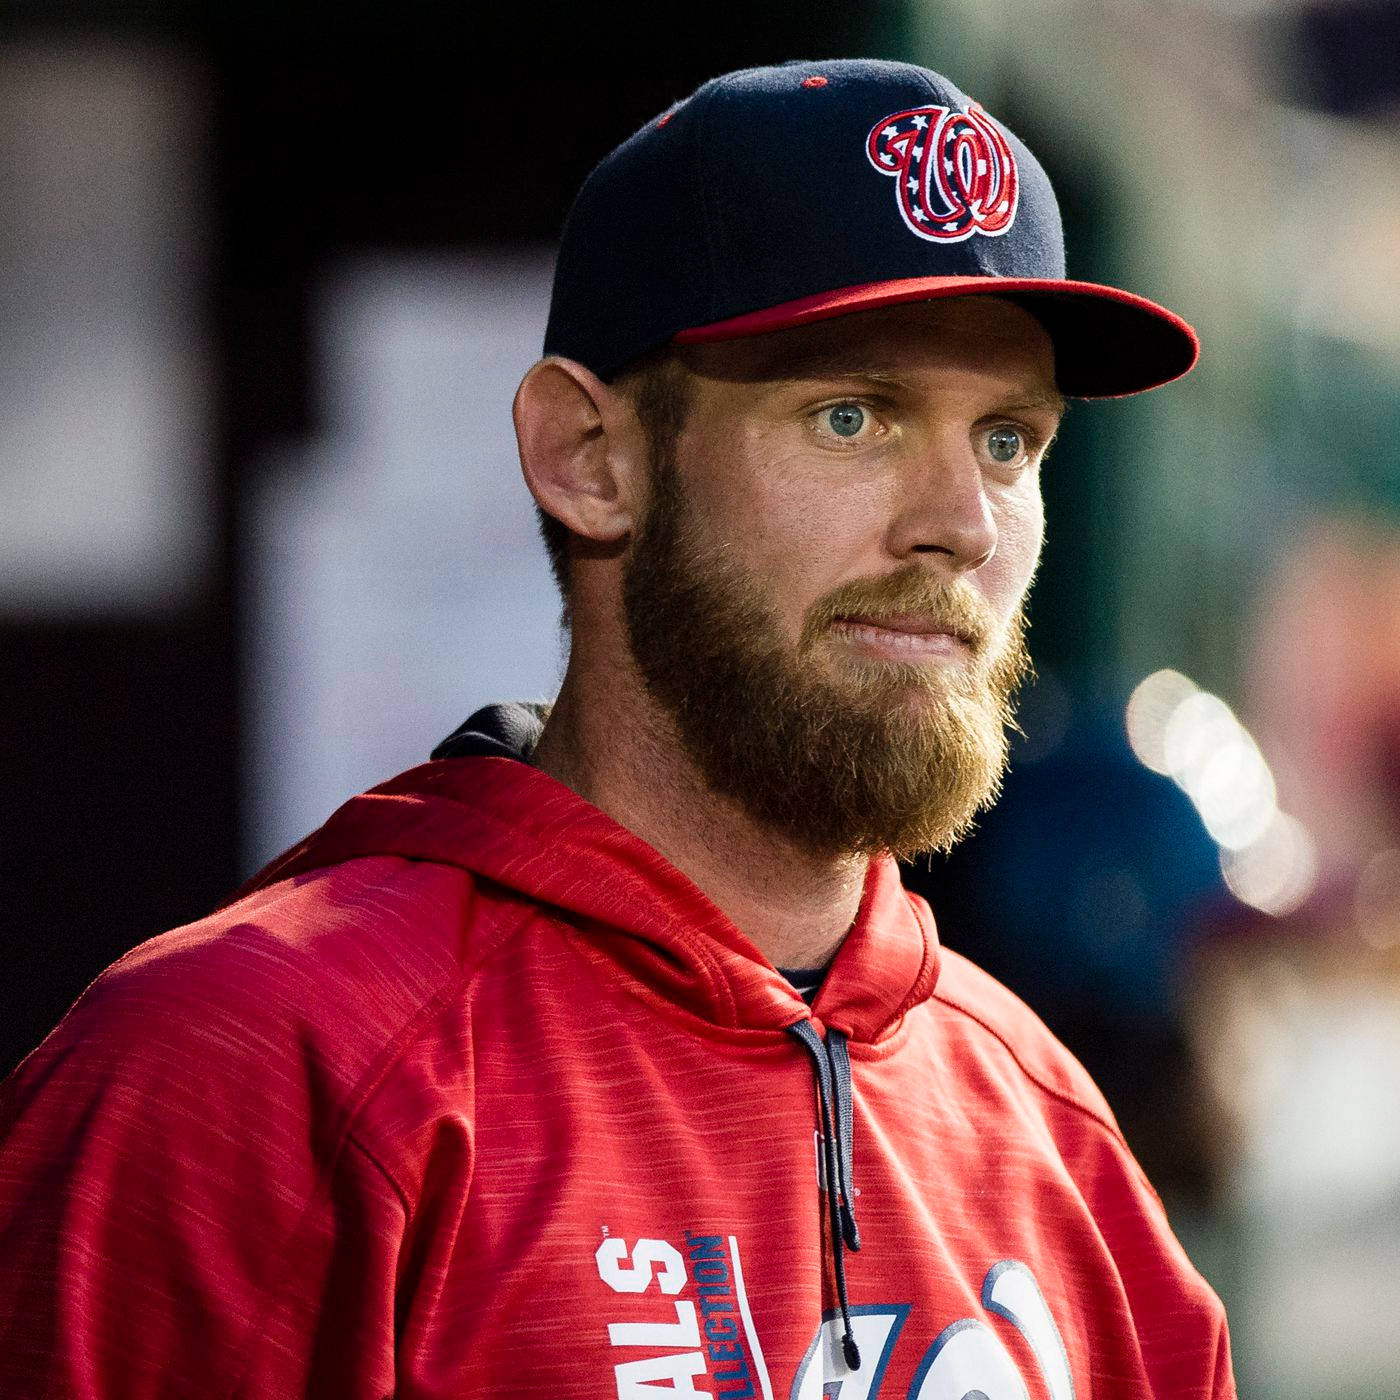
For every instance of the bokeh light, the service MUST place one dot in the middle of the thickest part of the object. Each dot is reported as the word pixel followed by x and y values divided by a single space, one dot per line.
pixel 1276 872
pixel 1150 708
pixel 1268 859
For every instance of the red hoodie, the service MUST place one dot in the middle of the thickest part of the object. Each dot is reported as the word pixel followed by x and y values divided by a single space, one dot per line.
pixel 474 1094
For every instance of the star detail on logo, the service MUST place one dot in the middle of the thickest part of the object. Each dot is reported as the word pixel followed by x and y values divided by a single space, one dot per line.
pixel 955 171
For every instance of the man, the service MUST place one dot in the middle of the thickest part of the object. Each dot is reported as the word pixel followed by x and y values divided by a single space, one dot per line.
pixel 492 1086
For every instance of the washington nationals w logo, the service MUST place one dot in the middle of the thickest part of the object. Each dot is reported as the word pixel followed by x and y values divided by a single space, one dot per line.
pixel 954 172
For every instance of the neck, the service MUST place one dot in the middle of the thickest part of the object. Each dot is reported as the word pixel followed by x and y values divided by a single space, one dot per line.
pixel 607 741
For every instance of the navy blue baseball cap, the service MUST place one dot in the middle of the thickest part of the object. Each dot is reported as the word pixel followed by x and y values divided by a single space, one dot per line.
pixel 775 197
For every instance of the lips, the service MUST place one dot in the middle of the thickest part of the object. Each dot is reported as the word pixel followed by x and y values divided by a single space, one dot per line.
pixel 911 624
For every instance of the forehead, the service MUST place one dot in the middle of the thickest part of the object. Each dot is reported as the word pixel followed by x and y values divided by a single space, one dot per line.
pixel 979 335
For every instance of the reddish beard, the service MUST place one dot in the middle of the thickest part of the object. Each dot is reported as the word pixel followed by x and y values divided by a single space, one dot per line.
pixel 861 758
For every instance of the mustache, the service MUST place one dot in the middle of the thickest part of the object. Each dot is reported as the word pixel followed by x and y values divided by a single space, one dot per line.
pixel 954 607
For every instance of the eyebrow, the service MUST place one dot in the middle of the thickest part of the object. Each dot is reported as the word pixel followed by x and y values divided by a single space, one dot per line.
pixel 1052 403
pixel 825 364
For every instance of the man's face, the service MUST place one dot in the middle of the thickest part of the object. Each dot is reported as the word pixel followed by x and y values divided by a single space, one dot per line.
pixel 825 595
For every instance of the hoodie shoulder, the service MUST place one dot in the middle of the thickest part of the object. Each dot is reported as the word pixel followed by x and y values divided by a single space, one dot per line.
pixel 319 978
pixel 1007 1027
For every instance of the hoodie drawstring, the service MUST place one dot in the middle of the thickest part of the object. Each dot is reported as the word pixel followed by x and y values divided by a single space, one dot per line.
pixel 831 1066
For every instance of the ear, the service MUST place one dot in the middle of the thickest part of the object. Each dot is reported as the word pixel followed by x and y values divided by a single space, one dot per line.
pixel 582 450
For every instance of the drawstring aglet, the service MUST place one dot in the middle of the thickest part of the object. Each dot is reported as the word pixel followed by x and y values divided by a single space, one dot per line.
pixel 848 1228
pixel 850 1351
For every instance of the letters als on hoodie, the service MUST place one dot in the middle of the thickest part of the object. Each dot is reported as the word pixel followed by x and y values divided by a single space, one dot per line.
pixel 471 1093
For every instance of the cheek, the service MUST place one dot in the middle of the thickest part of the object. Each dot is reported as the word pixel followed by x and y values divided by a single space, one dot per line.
pixel 765 503
pixel 1020 534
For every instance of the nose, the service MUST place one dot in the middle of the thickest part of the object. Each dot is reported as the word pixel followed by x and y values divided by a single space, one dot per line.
pixel 943 513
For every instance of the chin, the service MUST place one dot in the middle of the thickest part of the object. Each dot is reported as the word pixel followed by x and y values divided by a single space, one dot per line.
pixel 917 683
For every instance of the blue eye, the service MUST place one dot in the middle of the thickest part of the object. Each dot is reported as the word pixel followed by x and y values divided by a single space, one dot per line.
pixel 845 419
pixel 1005 444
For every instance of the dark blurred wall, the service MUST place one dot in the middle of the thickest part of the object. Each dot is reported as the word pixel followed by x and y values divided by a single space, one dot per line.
pixel 331 129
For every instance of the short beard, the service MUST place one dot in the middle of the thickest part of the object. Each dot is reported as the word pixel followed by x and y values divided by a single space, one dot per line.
pixel 898 758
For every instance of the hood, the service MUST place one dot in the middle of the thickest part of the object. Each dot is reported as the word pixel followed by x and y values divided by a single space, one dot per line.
pixel 483 808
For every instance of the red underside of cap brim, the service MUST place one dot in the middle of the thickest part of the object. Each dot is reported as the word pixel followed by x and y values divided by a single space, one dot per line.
pixel 1108 342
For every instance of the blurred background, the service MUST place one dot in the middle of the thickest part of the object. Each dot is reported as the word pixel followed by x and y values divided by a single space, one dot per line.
pixel 268 277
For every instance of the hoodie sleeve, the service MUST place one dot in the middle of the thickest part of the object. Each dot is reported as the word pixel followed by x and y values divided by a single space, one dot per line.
pixel 182 1208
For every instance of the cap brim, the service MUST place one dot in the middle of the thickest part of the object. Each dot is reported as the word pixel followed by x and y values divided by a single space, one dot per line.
pixel 1108 342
